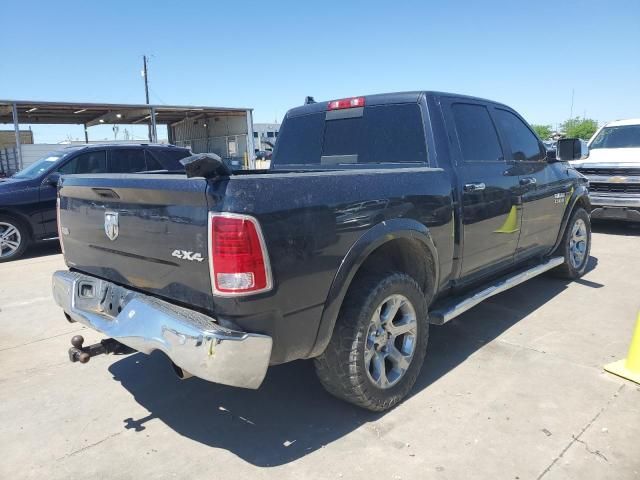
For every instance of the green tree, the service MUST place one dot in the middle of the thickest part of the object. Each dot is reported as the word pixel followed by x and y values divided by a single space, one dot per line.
pixel 577 127
pixel 543 131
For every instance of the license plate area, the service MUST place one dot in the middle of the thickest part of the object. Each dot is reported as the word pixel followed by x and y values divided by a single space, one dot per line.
pixel 616 212
pixel 100 297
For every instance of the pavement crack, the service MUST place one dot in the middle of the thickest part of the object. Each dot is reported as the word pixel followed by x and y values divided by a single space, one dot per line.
pixel 597 453
pixel 87 447
pixel 576 438
pixel 526 347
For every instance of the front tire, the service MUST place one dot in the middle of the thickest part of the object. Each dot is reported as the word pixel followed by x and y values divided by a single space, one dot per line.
pixel 378 344
pixel 575 246
pixel 14 238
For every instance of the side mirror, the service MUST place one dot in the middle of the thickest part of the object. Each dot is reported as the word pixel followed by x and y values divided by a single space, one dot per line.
pixel 552 156
pixel 52 179
pixel 571 149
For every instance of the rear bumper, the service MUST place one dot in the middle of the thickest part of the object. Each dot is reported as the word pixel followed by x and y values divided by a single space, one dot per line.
pixel 192 340
pixel 621 207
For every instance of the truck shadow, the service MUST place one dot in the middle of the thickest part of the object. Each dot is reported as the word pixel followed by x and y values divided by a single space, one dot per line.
pixel 613 227
pixel 291 415
pixel 41 249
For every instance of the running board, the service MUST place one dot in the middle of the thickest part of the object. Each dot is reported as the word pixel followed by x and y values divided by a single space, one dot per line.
pixel 459 305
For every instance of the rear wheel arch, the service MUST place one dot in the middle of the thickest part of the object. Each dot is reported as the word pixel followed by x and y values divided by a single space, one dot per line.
pixel 389 246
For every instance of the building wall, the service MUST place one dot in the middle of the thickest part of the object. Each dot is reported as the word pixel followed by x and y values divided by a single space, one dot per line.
pixel 8 138
pixel 33 152
pixel 263 133
pixel 223 135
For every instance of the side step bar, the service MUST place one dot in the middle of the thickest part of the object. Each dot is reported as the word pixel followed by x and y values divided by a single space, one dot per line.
pixel 459 305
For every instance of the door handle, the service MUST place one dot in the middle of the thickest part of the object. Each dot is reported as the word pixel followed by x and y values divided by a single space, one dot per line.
pixel 528 181
pixel 474 187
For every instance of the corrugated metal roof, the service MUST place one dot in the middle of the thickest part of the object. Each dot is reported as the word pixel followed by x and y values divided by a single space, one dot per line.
pixel 34 112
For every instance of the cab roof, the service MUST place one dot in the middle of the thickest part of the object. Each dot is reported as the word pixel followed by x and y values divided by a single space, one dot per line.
pixel 385 98
pixel 620 123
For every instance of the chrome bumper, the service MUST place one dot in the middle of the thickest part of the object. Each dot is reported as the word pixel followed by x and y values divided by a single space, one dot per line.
pixel 614 200
pixel 192 340
pixel 611 207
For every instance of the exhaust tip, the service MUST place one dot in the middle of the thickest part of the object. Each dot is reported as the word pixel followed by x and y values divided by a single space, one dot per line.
pixel 180 373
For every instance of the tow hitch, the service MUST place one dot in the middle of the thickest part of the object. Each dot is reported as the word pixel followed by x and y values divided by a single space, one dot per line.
pixel 81 354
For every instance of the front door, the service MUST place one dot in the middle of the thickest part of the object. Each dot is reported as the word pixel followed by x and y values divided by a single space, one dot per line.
pixel 489 188
pixel 545 187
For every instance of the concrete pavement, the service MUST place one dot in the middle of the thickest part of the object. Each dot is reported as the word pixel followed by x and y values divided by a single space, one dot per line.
pixel 513 389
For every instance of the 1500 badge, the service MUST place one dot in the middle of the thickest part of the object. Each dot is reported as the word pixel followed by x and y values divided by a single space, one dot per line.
pixel 559 197
pixel 184 255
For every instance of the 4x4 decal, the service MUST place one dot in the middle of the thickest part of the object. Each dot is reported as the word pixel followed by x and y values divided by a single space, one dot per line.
pixel 184 255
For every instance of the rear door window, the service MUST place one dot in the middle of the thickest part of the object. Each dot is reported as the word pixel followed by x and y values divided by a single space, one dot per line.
pixel 380 134
pixel 151 163
pixel 127 160
pixel 90 162
pixel 477 135
pixel 166 158
pixel 524 144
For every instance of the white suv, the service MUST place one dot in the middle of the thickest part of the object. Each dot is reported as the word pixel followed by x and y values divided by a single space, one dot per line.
pixel 613 169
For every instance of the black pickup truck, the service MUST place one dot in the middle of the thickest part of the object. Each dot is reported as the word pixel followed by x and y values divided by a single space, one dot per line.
pixel 378 216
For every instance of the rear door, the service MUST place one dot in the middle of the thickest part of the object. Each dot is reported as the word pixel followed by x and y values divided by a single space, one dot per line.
pixel 545 187
pixel 488 186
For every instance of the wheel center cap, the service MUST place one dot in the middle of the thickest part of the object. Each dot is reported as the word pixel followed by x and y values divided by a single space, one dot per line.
pixel 380 340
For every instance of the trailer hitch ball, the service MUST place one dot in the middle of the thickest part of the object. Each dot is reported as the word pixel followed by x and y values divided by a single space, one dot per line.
pixel 76 354
pixel 79 353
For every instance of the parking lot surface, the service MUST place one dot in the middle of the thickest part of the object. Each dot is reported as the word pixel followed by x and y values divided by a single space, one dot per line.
pixel 513 389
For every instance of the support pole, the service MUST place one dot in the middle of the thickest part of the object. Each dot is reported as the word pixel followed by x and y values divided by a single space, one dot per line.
pixel 250 145
pixel 145 74
pixel 154 130
pixel 86 134
pixel 16 126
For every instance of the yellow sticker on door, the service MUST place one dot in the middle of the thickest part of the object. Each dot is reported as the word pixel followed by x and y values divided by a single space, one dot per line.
pixel 511 224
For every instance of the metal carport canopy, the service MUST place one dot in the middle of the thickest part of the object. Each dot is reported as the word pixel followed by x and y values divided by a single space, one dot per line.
pixel 89 114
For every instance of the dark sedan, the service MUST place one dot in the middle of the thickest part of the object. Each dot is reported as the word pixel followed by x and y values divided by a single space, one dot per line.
pixel 28 198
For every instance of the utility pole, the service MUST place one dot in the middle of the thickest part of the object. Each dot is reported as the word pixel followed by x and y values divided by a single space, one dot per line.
pixel 145 74
pixel 573 91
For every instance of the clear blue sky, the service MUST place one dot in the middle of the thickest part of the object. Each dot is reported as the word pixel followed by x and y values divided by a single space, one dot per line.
pixel 269 55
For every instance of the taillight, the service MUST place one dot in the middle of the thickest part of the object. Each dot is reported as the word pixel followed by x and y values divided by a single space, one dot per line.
pixel 346 103
pixel 238 259
pixel 59 225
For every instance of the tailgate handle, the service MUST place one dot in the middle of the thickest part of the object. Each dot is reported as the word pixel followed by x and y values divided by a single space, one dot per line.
pixel 105 193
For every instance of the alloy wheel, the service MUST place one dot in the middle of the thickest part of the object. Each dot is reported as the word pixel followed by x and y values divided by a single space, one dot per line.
pixel 391 341
pixel 578 243
pixel 10 239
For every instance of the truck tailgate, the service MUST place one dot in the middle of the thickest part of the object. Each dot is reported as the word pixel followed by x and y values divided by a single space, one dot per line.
pixel 144 231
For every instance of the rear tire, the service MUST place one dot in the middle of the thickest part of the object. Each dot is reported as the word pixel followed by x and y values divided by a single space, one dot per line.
pixel 14 238
pixel 378 344
pixel 575 246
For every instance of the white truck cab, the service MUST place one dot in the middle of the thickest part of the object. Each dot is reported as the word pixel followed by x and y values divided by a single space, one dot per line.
pixel 612 166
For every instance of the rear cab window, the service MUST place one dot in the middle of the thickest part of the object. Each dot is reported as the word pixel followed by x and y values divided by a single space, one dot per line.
pixel 370 135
